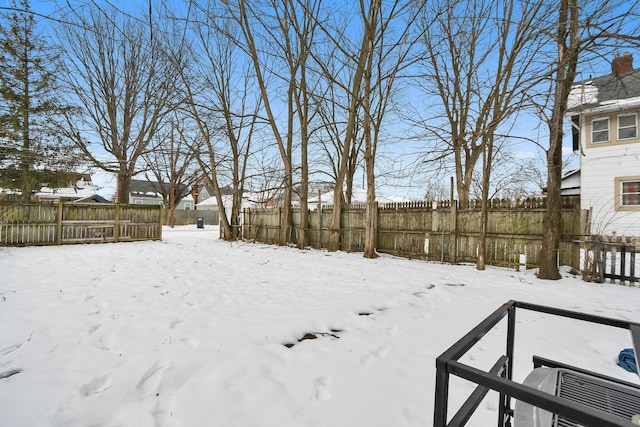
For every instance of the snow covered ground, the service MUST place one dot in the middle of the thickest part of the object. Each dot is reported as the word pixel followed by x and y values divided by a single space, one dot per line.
pixel 193 331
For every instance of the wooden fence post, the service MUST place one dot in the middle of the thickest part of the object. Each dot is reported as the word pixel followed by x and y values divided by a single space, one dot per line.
pixel 116 226
pixel 59 231
pixel 161 222
pixel 453 236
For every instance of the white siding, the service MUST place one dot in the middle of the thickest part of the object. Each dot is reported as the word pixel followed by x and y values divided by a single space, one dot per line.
pixel 599 168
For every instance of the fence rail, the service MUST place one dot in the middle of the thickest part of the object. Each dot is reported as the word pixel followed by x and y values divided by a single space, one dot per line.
pixel 32 224
pixel 439 231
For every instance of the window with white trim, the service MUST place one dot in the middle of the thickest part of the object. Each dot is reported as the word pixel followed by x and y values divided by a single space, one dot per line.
pixel 627 126
pixel 599 131
pixel 630 193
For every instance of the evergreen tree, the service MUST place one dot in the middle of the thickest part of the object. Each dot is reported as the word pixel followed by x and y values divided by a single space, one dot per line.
pixel 31 152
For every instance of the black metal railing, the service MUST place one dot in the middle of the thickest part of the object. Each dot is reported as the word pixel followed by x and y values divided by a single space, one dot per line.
pixel 499 377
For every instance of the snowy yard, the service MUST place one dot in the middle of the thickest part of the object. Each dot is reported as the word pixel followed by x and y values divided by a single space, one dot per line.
pixel 193 331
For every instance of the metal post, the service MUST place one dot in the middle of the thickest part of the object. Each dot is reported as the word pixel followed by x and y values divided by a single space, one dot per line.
pixel 504 419
pixel 623 269
pixel 632 263
pixel 442 395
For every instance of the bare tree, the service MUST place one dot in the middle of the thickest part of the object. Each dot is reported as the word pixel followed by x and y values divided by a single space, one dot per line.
pixel 119 75
pixel 390 51
pixel 171 162
pixel 219 101
pixel 582 31
pixel 481 57
pixel 277 36
pixel 359 58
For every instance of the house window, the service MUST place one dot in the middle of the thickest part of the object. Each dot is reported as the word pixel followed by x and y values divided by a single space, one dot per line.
pixel 138 202
pixel 630 193
pixel 627 126
pixel 600 131
pixel 187 206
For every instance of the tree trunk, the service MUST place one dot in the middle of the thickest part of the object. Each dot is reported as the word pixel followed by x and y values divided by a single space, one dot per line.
pixel 568 52
pixel 336 223
pixel 371 224
pixel 552 216
pixel 124 186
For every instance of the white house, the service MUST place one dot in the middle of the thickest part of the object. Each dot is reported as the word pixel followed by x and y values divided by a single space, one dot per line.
pixel 570 185
pixel 82 189
pixel 604 112
pixel 143 192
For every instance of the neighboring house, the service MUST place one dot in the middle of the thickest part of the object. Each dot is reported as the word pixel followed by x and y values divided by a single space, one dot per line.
pixel 570 185
pixel 82 189
pixel 205 191
pixel 96 198
pixel 143 192
pixel 604 112
pixel 211 204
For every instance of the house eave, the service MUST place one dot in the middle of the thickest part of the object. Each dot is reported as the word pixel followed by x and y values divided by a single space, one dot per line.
pixel 607 107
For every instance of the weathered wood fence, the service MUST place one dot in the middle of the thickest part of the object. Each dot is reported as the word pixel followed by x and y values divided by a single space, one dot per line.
pixel 441 231
pixel 32 224
pixel 613 258
pixel 189 216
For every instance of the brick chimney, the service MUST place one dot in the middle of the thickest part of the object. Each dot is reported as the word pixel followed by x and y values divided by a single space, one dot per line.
pixel 622 65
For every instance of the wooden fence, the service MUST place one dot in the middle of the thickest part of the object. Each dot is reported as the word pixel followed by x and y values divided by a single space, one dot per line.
pixel 613 258
pixel 190 216
pixel 32 224
pixel 441 231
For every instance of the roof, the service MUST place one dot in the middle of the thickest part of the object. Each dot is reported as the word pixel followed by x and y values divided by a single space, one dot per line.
pixel 93 198
pixel 605 93
pixel 227 201
pixel 151 189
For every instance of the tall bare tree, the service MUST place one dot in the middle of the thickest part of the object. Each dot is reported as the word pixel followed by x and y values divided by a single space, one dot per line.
pixel 359 56
pixel 251 18
pixel 277 36
pixel 219 100
pixel 119 74
pixel 390 51
pixel 481 57
pixel 582 31
pixel 171 165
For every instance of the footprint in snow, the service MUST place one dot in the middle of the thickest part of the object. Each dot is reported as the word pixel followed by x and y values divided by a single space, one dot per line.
pixel 10 349
pixel 392 331
pixel 191 342
pixel 151 380
pixel 96 385
pixel 108 342
pixel 373 355
pixel 321 385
